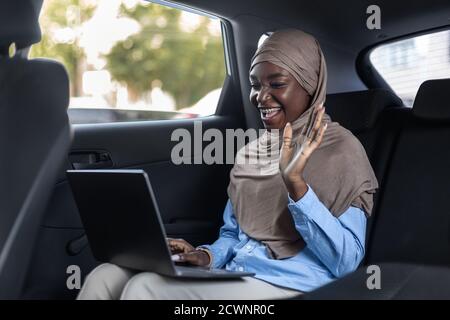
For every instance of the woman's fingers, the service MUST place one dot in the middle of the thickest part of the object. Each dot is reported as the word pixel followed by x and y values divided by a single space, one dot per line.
pixel 287 147
pixel 311 142
pixel 287 136
pixel 318 138
pixel 308 140
pixel 197 258
pixel 319 118
pixel 312 121
pixel 179 245
pixel 191 257
pixel 317 124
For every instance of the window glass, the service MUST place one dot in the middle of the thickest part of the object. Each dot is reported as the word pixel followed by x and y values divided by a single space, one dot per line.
pixel 406 64
pixel 133 60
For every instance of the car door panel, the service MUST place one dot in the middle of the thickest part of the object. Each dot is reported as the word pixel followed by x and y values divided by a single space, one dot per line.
pixel 191 197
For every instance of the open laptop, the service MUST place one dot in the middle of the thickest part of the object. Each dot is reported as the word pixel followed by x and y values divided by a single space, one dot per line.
pixel 121 218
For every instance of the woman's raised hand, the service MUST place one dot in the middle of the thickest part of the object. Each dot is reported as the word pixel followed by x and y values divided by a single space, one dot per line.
pixel 295 154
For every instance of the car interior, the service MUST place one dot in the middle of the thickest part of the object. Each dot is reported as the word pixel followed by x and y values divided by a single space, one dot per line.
pixel 408 234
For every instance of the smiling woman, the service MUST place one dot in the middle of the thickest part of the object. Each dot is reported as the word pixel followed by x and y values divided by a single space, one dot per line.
pixel 283 88
pixel 278 96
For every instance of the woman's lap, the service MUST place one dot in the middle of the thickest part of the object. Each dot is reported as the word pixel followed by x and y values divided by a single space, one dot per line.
pixel 109 281
pixel 106 282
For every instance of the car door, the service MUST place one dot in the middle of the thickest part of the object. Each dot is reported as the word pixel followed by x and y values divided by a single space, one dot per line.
pixel 191 197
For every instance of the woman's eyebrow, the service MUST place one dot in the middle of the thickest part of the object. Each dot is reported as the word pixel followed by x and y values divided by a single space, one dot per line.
pixel 276 75
pixel 270 76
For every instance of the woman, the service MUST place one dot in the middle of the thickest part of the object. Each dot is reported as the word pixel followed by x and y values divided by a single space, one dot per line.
pixel 297 222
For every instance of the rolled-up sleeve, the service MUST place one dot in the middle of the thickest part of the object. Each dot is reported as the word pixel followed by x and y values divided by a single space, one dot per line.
pixel 337 242
pixel 222 249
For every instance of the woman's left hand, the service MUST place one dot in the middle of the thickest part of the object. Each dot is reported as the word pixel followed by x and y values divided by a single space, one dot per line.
pixel 295 154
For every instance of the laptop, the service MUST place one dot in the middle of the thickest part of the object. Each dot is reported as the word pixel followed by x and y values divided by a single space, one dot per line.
pixel 123 224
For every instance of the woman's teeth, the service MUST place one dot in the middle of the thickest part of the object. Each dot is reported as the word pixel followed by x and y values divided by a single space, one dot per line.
pixel 268 112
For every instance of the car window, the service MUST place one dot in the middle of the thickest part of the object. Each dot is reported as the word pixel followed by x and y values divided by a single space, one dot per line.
pixel 406 64
pixel 133 60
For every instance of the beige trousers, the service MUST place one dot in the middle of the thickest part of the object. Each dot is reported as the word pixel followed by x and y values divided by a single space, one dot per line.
pixel 109 281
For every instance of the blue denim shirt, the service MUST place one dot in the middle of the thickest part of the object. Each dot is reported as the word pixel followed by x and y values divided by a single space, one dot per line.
pixel 334 246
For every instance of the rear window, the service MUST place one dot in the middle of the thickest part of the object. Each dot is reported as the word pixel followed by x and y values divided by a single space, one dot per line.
pixel 132 60
pixel 406 64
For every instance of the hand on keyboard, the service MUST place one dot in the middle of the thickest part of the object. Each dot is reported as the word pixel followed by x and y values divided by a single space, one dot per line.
pixel 183 251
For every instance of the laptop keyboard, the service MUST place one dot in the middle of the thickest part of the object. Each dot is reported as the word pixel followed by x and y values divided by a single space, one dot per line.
pixel 201 269
pixel 204 272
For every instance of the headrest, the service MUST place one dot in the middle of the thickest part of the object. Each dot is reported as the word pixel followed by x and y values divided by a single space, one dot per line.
pixel 29 88
pixel 433 100
pixel 359 110
pixel 19 23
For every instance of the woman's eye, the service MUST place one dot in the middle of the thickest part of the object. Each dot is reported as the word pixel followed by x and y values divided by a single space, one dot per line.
pixel 277 84
pixel 254 85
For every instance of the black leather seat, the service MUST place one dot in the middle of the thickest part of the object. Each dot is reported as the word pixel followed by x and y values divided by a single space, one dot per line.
pixel 398 282
pixel 413 218
pixel 412 225
pixel 366 114
pixel 373 116
pixel 34 139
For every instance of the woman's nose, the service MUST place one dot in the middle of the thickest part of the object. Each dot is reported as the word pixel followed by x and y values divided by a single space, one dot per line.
pixel 263 95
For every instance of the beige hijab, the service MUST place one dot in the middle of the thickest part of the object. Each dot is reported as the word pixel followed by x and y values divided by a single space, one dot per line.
pixel 338 171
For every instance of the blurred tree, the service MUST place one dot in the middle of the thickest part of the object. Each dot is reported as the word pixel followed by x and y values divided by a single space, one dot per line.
pixel 185 63
pixel 184 59
pixel 60 22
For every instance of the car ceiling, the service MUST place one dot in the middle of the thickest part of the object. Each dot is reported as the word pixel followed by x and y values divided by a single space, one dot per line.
pixel 341 23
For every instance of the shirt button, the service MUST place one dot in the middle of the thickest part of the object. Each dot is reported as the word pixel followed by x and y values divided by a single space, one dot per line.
pixel 305 238
pixel 249 247
pixel 241 269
